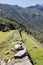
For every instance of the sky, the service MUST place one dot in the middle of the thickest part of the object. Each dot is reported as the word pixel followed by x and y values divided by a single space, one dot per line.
pixel 22 3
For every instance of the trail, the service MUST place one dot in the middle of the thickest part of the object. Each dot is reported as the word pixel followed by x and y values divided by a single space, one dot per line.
pixel 24 60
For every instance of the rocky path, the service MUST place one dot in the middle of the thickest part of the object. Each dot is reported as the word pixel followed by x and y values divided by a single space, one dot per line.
pixel 23 63
pixel 24 60
pixel 21 57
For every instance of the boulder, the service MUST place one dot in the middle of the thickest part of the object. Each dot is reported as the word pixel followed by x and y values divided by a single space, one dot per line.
pixel 17 47
pixel 20 54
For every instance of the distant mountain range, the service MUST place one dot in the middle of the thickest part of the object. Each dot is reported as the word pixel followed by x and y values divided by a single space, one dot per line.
pixel 28 18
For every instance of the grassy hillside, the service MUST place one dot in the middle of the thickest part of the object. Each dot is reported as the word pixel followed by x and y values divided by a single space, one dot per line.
pixel 4 36
pixel 6 39
pixel 6 24
pixel 35 51
pixel 28 18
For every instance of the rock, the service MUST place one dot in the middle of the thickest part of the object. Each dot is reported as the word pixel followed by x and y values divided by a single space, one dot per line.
pixel 13 49
pixel 3 62
pixel 17 47
pixel 6 62
pixel 7 52
pixel 9 62
pixel 20 54
pixel 23 63
pixel 22 44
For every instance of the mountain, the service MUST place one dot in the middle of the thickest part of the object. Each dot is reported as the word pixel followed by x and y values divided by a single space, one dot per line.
pixel 29 18
pixel 37 6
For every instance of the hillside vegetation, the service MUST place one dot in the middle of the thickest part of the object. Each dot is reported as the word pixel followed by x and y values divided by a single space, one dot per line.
pixel 13 21
pixel 6 40
pixel 29 18
pixel 6 24
pixel 35 51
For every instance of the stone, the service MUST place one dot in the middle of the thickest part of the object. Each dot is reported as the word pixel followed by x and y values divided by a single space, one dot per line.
pixel 3 62
pixel 17 47
pixel 23 63
pixel 20 54
pixel 7 52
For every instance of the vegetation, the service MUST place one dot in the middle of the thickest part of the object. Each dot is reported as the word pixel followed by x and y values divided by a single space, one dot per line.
pixel 6 24
pixel 29 18
pixel 6 40
pixel 35 51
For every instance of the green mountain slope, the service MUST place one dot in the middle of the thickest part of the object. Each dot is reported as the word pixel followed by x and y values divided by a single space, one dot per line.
pixel 28 18
pixel 35 51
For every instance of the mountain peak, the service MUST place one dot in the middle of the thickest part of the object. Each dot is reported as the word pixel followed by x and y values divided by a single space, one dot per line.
pixel 37 5
pixel 16 5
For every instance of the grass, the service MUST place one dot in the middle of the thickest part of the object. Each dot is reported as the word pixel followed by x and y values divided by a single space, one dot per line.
pixel 6 39
pixel 4 36
pixel 35 51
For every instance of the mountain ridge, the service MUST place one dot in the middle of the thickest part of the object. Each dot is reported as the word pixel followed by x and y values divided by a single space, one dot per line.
pixel 29 18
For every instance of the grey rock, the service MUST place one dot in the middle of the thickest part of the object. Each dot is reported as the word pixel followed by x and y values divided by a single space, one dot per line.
pixel 20 54
pixel 17 47
pixel 23 63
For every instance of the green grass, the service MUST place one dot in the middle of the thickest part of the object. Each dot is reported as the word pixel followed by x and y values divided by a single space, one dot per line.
pixel 4 36
pixel 6 39
pixel 35 51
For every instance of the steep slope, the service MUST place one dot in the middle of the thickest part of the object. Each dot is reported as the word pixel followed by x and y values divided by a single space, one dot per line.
pixel 6 24
pixel 35 51
pixel 29 18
